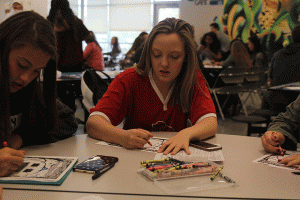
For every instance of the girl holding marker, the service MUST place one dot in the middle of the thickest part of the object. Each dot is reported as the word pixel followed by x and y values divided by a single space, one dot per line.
pixel 30 113
pixel 161 93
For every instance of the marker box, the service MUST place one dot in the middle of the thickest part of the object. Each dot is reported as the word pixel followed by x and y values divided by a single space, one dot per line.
pixel 177 170
pixel 184 178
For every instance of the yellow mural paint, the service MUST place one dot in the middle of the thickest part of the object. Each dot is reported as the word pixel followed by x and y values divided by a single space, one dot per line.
pixel 236 25
pixel 230 20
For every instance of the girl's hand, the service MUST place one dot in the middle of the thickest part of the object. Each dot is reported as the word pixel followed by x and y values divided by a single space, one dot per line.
pixel 271 141
pixel 10 160
pixel 175 144
pixel 135 138
pixel 291 160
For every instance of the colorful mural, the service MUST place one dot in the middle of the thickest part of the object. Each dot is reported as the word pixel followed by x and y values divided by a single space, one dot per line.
pixel 271 20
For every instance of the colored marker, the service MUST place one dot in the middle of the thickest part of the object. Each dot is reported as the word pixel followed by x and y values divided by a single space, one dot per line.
pixel 155 161
pixel 226 178
pixel 5 144
pixel 159 167
pixel 280 149
pixel 193 165
pixel 218 171
pixel 149 143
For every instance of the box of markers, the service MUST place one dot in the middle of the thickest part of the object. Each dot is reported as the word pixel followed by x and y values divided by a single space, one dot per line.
pixel 175 176
pixel 172 168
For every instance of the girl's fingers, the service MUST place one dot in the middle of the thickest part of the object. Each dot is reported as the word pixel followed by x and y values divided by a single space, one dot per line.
pixel 175 150
pixel 162 147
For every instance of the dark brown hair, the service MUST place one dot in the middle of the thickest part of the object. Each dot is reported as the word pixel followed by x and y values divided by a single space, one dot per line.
pixel 29 29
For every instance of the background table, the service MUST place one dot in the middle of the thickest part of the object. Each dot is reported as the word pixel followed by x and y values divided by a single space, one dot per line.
pixel 295 87
pixel 254 180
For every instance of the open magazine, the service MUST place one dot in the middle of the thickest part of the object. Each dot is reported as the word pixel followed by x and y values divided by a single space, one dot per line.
pixel 42 170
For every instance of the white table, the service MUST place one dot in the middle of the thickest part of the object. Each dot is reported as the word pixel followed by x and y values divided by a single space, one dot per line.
pixel 254 180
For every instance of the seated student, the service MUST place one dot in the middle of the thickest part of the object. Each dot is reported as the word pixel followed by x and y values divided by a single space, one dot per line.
pixel 134 53
pixel 258 58
pixel 284 131
pixel 210 47
pixel 93 53
pixel 30 114
pixel 162 93
pixel 224 40
pixel 239 56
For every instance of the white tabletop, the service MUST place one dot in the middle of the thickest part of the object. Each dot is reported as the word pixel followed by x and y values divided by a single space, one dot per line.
pixel 254 180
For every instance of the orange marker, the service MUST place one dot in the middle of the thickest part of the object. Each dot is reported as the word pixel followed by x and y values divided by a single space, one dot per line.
pixel 149 143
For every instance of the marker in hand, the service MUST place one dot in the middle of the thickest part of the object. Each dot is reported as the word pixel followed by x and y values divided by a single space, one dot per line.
pixel 280 149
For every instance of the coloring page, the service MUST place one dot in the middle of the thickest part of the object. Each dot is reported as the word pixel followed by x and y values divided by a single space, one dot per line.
pixel 155 141
pixel 43 168
pixel 195 153
pixel 272 160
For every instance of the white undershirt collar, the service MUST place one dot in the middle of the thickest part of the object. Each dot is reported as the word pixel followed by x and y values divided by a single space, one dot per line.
pixel 164 101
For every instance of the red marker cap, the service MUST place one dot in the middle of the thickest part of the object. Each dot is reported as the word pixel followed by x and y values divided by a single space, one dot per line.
pixel 5 144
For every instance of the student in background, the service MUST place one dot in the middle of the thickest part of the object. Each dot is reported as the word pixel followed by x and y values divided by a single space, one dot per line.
pixel 135 52
pixel 284 69
pixel 258 58
pixel 224 40
pixel 210 48
pixel 115 47
pixel 239 56
pixel 284 131
pixel 93 53
pixel 162 93
pixel 138 53
pixel 30 113
pixel 70 32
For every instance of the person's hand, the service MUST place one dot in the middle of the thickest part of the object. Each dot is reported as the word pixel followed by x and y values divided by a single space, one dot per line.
pixel 175 144
pixel 136 138
pixel 291 160
pixel 10 160
pixel 271 141
pixel 15 141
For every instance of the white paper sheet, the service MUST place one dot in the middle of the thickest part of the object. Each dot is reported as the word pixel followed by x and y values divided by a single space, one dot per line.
pixel 42 169
pixel 272 160
pixel 195 153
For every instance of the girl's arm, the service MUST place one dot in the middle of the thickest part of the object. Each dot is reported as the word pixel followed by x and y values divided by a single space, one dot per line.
pixel 215 56
pixel 87 51
pixel 204 129
pixel 100 128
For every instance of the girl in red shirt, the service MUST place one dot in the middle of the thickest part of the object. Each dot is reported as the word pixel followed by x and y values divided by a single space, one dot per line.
pixel 93 53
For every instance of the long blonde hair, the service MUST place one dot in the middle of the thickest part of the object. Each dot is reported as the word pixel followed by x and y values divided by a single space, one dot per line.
pixel 187 78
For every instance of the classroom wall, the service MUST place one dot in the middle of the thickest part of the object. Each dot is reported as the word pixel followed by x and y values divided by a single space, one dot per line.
pixel 200 14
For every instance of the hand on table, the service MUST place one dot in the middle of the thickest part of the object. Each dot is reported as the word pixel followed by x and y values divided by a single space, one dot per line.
pixel 136 138
pixel 10 160
pixel 271 141
pixel 175 144
pixel 291 160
